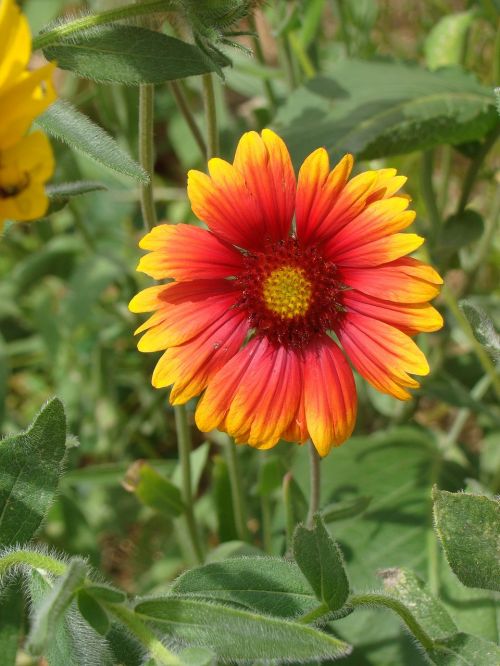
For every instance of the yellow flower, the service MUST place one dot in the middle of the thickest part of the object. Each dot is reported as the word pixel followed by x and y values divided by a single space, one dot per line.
pixel 26 162
pixel 24 169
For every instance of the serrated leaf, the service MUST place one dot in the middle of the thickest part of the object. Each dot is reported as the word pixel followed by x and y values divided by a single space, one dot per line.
pixel 465 650
pixel 321 562
pixel 30 467
pixel 445 44
pixel 376 109
pixel 483 328
pixel 265 584
pixel 238 635
pixel 93 613
pixel 128 54
pixel 468 528
pixel 60 194
pixel 50 612
pixel 407 588
pixel 153 489
pixel 11 620
pixel 67 124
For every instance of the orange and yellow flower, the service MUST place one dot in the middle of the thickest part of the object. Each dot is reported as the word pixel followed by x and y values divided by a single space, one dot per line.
pixel 285 265
pixel 26 162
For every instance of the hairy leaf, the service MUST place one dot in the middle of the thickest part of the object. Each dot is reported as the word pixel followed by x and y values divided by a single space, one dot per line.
pixel 11 620
pixel 483 327
pixel 465 650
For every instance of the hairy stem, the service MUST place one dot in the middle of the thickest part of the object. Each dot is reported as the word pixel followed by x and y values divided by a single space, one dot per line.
pixel 184 108
pixel 57 33
pixel 146 152
pixel 32 559
pixel 184 443
pixel 237 494
pixel 315 483
pixel 211 116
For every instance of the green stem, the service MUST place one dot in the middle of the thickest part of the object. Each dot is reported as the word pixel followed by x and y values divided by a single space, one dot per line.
pixel 315 483
pixel 184 108
pixel 446 162
pixel 288 62
pixel 146 152
pixel 463 322
pixel 458 424
pixel 34 560
pixel 428 193
pixel 140 631
pixel 302 57
pixel 475 166
pixel 259 54
pixel 267 535
pixel 184 443
pixel 238 497
pixel 50 37
pixel 393 604
pixel 211 116
pixel 289 512
pixel 321 610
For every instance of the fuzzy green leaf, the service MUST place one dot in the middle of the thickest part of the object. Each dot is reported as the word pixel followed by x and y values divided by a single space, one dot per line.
pixel 93 612
pixel 65 123
pixel 483 327
pixel 11 620
pixel 106 593
pixel 239 635
pixel 321 562
pixel 465 650
pixel 376 109
pixel 468 528
pixel 128 54
pixel 30 467
pixel 265 584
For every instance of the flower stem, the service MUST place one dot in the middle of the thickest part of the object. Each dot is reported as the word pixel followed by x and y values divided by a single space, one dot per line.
pixel 45 39
pixel 393 604
pixel 32 559
pixel 182 103
pixel 184 443
pixel 267 535
pixel 211 116
pixel 474 168
pixel 315 485
pixel 289 512
pixel 146 152
pixel 140 631
pixel 238 497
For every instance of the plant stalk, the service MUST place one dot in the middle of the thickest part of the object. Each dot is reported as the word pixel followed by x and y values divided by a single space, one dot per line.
pixel 184 108
pixel 184 444
pixel 32 559
pixel 315 483
pixel 259 54
pixel 474 168
pixel 146 152
pixel 237 494
pixel 211 116
pixel 429 194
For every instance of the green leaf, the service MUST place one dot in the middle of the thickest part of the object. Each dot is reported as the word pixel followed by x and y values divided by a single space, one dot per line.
pixel 128 54
pixel 60 195
pixel 153 489
pixel 468 528
pixel 376 109
pixel 30 467
pixel 483 328
pixel 197 657
pixel 465 650
pixel 321 562
pixel 265 584
pixel 50 612
pixel 93 612
pixel 446 42
pixel 231 549
pixel 271 472
pixel 198 458
pixel 65 123
pixel 458 231
pixel 238 635
pixel 11 620
pixel 106 593
pixel 346 509
pixel 432 616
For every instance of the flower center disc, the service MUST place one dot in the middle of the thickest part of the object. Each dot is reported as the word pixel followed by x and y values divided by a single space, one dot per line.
pixel 287 292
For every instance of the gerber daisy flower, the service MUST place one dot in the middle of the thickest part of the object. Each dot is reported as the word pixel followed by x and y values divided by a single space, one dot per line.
pixel 26 162
pixel 285 266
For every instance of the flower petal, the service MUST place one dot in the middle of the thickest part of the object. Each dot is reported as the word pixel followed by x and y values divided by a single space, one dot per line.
pixel 15 42
pixel 185 309
pixel 411 318
pixel 382 354
pixel 330 397
pixel 190 366
pixel 377 252
pixel 185 252
pixel 404 280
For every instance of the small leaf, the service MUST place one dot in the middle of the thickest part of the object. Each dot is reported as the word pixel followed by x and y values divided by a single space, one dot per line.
pixel 11 621
pixel 153 489
pixel 129 54
pixel 321 562
pixel 30 467
pixel 65 123
pixel 54 605
pixel 265 584
pixel 446 42
pixel 60 195
pixel 465 650
pixel 238 635
pixel 93 612
pixel 432 616
pixel 468 528
pixel 483 328
pixel 106 593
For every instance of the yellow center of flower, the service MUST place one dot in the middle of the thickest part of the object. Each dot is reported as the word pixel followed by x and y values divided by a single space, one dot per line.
pixel 287 292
